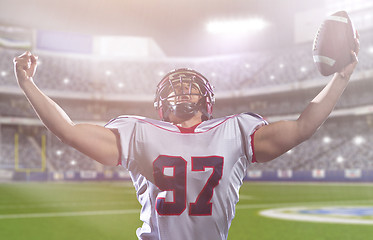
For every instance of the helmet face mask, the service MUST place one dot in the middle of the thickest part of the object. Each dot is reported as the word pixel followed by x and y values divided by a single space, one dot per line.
pixel 175 93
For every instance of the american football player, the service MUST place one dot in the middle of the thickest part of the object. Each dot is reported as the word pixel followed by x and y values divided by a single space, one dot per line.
pixel 187 168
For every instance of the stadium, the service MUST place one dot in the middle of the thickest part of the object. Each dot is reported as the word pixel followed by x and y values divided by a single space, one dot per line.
pixel 49 190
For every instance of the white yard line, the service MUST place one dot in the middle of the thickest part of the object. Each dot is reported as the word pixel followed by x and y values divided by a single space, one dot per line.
pixel 293 214
pixel 137 211
pixel 246 197
pixel 68 214
pixel 331 203
pixel 60 204
pixel 321 184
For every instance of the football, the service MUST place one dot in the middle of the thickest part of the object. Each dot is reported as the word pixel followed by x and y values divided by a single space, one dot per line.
pixel 333 43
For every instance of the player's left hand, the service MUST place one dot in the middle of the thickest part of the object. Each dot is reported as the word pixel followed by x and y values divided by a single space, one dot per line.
pixel 349 69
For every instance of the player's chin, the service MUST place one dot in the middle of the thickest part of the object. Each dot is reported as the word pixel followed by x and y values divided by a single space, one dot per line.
pixel 175 120
pixel 180 119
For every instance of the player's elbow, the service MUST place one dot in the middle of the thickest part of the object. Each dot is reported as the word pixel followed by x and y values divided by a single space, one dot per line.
pixel 69 137
pixel 64 132
pixel 100 154
pixel 305 132
pixel 65 137
pixel 96 142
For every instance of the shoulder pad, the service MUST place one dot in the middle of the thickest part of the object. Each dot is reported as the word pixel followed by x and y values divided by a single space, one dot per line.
pixel 254 115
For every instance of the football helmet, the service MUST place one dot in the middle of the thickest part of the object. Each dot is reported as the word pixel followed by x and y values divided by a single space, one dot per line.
pixel 178 84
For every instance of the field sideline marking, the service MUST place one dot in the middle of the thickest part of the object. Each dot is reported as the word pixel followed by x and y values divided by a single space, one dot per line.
pixel 69 214
pixel 291 214
pixel 250 206
pixel 246 197
pixel 321 184
pixel 60 204
pixel 133 211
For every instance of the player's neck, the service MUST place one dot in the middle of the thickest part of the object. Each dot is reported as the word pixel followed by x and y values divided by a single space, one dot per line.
pixel 196 119
pixel 189 123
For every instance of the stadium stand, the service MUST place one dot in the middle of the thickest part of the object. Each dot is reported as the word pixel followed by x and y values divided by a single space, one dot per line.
pixel 80 73
pixel 341 143
pixel 273 84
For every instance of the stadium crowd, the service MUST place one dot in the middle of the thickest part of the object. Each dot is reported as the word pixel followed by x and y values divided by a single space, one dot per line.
pixel 85 87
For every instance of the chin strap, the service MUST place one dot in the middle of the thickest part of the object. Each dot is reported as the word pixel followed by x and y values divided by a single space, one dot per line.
pixel 185 110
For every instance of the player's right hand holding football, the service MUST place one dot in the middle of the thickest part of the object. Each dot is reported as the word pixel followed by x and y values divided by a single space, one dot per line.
pixel 25 67
pixel 349 69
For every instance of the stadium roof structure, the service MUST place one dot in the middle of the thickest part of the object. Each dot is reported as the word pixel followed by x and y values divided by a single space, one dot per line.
pixel 178 27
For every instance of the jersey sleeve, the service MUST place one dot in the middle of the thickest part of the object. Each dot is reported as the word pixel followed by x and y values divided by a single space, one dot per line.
pixel 249 123
pixel 125 126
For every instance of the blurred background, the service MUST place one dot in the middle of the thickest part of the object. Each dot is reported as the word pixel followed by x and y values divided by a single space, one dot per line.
pixel 101 59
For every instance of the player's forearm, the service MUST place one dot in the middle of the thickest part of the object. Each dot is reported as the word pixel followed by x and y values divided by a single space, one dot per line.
pixel 52 115
pixel 321 106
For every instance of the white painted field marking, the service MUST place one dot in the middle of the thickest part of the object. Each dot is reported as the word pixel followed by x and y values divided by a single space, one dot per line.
pixel 60 204
pixel 324 184
pixel 91 189
pixel 246 197
pixel 250 206
pixel 293 213
pixel 69 214
pixel 133 211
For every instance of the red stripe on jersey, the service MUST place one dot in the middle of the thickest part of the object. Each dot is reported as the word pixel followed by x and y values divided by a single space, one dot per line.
pixel 188 130
pixel 253 160
pixel 153 124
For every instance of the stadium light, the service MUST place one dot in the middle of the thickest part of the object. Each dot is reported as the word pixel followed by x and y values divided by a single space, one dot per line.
pixel 358 140
pixel 108 72
pixel 3 73
pixel 340 159
pixel 326 140
pixel 370 50
pixel 236 26
pixel 66 80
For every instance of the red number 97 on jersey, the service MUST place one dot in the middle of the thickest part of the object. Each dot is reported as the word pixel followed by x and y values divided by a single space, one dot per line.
pixel 177 183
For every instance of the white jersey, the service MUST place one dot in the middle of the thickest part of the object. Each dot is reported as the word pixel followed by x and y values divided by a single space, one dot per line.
pixel 187 183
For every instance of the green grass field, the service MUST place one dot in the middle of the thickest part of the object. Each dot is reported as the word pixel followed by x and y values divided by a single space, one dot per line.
pixel 109 210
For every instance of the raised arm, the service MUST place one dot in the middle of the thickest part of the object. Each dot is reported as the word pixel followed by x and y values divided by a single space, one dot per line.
pixel 97 142
pixel 273 140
